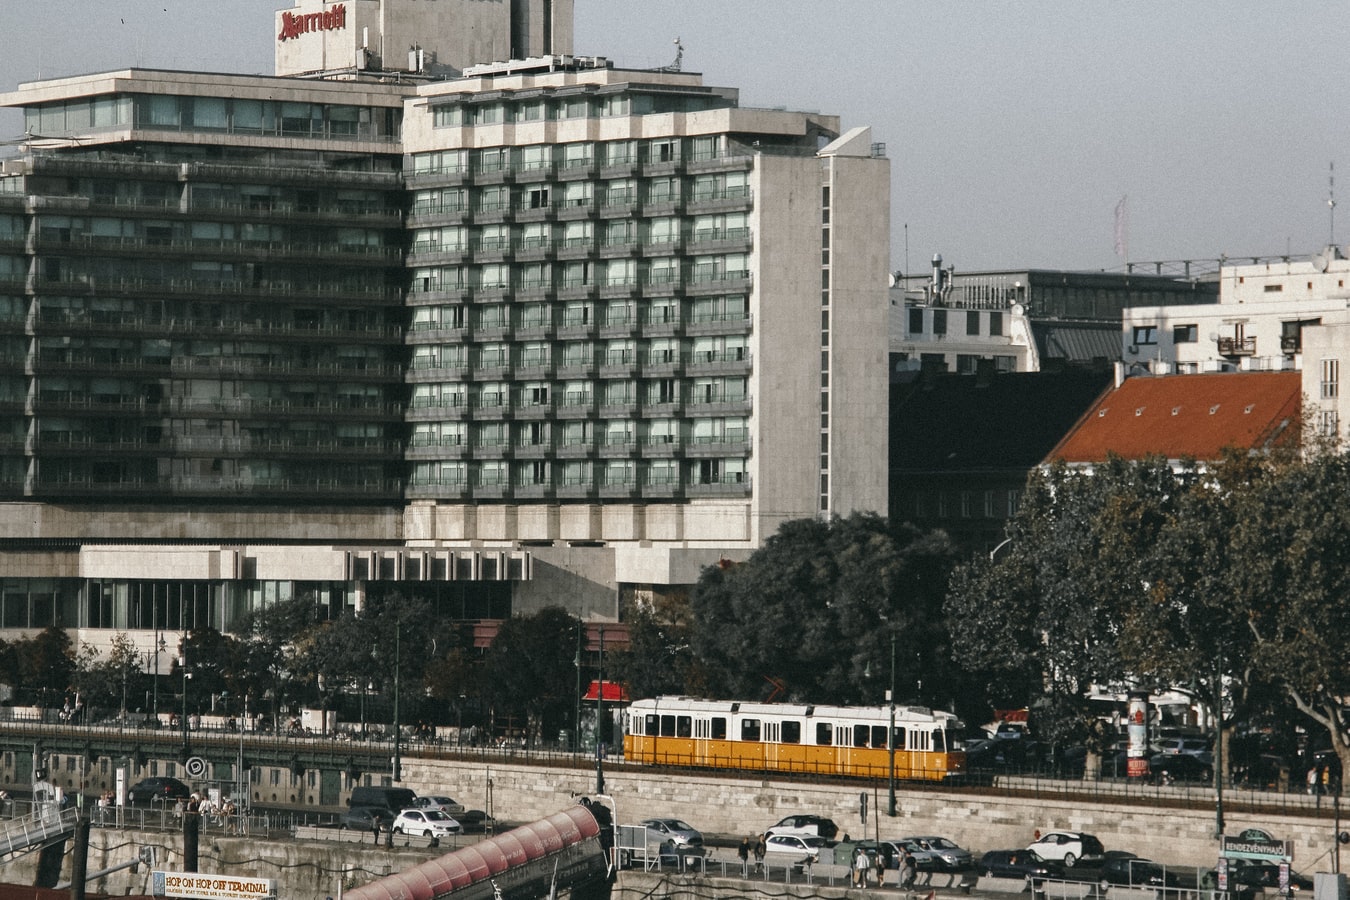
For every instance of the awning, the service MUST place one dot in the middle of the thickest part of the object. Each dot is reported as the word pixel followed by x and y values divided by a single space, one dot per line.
pixel 613 692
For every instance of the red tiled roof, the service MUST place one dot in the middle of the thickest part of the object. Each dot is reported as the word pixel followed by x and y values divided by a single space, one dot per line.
pixel 1180 416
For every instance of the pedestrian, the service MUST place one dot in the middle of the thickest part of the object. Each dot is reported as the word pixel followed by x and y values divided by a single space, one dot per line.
pixel 908 872
pixel 744 853
pixel 879 863
pixel 1312 780
pixel 861 865
pixel 759 854
pixel 375 828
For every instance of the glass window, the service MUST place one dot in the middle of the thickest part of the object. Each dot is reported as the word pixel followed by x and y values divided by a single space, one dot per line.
pixel 750 729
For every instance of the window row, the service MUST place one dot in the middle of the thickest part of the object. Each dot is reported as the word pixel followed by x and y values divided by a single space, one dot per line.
pixel 449 114
pixel 624 351
pixel 576 313
pixel 579 473
pixel 613 192
pixel 580 274
pixel 794 731
pixel 650 391
pixel 584 433
pixel 974 322
pixel 584 233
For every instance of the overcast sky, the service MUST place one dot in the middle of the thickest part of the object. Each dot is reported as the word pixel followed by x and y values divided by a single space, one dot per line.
pixel 1013 129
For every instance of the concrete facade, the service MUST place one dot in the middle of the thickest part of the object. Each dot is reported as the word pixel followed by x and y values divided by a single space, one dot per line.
pixel 425 330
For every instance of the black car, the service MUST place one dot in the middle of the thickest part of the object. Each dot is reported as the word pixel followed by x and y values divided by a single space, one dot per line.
pixel 1137 871
pixel 363 818
pixel 1264 876
pixel 475 821
pixel 1167 768
pixel 1018 864
pixel 158 790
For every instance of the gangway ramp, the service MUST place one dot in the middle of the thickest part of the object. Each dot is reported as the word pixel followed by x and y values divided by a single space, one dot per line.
pixel 564 852
pixel 33 832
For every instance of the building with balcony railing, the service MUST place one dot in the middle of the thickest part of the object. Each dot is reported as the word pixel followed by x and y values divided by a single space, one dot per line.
pixel 546 303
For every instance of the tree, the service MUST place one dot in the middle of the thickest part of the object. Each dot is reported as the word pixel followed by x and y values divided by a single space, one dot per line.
pixel 112 682
pixel 815 609
pixel 528 671
pixel 1044 620
pixel 657 660
pixel 46 664
pixel 1290 581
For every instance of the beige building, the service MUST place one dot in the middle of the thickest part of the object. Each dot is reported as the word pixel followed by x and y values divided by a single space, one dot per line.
pixel 548 331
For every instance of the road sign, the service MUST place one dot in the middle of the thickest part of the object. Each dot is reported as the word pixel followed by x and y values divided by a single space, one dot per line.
pixel 1256 848
pixel 195 767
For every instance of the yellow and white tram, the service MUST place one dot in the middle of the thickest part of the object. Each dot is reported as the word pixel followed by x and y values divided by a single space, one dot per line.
pixel 782 737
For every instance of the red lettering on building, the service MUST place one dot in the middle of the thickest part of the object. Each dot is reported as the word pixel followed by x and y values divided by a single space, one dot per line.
pixel 333 19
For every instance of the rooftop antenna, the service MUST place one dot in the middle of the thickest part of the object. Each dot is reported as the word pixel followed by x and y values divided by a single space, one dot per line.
pixel 1331 201
pixel 679 56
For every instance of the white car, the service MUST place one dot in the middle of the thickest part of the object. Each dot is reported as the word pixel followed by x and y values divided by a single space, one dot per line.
pixel 793 846
pixel 444 804
pixel 426 822
pixel 1068 847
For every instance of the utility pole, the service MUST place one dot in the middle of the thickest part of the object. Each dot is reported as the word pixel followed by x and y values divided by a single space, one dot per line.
pixel 599 716
pixel 890 741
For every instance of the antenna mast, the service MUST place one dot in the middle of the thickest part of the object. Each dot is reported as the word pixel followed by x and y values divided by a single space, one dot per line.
pixel 1331 200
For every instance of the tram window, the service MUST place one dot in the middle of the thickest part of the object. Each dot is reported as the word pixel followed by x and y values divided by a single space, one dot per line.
pixel 860 735
pixel 824 733
pixel 899 738
pixel 684 726
pixel 749 729
pixel 650 725
pixel 667 726
pixel 719 728
pixel 939 742
pixel 878 735
pixel 920 740
pixel 792 732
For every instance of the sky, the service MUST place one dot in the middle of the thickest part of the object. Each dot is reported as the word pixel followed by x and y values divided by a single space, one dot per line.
pixel 1014 129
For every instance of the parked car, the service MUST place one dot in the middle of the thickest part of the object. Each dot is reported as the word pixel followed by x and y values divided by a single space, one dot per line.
pixel 1169 767
pixel 806 826
pixel 678 832
pixel 366 818
pixel 936 854
pixel 1068 847
pixel 476 821
pixel 1136 871
pixel 1026 864
pixel 426 822
pixel 447 805
pixel 158 789
pixel 1192 746
pixel 1247 873
pixel 794 847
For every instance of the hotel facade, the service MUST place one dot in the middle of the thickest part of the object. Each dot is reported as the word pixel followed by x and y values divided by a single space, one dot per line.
pixel 499 334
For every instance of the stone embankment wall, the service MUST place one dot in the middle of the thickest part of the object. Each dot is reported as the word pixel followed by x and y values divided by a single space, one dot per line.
pixel 719 806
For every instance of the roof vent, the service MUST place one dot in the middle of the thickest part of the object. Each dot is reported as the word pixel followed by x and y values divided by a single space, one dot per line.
pixel 1176 410
pixel 1213 409
pixel 1101 413
pixel 1139 411
pixel 1248 410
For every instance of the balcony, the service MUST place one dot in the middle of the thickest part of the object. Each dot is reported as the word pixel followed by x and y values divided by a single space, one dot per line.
pixel 1237 346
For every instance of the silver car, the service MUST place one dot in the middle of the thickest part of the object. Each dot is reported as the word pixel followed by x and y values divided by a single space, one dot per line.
pixel 936 854
pixel 677 831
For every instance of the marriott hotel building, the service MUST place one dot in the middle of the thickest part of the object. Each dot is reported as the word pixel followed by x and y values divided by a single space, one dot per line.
pixel 480 321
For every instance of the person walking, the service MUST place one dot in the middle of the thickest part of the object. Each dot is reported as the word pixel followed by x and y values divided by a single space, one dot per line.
pixel 744 853
pixel 879 862
pixel 759 854
pixel 861 866
pixel 908 872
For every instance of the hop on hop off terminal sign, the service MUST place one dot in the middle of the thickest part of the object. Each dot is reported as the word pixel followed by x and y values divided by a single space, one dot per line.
pixel 198 886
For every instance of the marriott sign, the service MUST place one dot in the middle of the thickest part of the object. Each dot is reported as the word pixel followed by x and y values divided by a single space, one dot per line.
pixel 328 20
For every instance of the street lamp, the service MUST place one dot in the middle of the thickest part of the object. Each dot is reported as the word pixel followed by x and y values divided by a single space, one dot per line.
pixel 398 658
pixel 183 664
pixel 890 740
pixel 599 715
pixel 576 723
